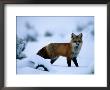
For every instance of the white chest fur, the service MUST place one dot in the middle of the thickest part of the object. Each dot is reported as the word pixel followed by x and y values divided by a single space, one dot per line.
pixel 75 49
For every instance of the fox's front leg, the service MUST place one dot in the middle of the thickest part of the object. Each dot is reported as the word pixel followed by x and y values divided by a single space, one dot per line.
pixel 53 60
pixel 69 61
pixel 75 61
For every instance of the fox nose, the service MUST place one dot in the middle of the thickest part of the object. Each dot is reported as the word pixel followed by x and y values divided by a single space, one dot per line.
pixel 77 43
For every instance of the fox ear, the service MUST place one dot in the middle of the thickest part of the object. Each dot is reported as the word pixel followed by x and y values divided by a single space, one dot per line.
pixel 80 35
pixel 73 35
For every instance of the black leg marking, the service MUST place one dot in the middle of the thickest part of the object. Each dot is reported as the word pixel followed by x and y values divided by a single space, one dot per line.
pixel 75 62
pixel 53 60
pixel 69 62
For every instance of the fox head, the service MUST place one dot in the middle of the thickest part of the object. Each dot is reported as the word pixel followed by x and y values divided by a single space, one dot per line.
pixel 76 40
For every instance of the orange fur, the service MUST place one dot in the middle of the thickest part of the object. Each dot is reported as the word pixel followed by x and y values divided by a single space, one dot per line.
pixel 59 49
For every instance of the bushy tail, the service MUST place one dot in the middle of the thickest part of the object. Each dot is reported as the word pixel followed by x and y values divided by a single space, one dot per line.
pixel 43 53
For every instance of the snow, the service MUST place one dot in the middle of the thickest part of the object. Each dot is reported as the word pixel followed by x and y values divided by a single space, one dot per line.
pixel 61 29
pixel 31 63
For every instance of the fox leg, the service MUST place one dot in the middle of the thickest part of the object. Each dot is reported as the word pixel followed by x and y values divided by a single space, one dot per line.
pixel 75 61
pixel 69 61
pixel 53 60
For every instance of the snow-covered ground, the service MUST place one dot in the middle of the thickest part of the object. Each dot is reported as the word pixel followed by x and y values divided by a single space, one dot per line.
pixel 61 29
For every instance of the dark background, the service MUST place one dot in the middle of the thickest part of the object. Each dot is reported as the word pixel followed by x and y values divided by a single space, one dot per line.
pixel 56 1
pixel 2 39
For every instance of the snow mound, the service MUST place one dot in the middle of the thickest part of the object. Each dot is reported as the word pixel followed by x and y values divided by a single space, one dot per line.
pixel 32 62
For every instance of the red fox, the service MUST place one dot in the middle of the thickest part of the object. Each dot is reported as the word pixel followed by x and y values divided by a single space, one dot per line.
pixel 69 50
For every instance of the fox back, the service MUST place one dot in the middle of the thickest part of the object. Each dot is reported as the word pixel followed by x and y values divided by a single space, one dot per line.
pixel 59 49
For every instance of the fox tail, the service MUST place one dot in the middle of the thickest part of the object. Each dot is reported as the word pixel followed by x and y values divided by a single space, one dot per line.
pixel 43 53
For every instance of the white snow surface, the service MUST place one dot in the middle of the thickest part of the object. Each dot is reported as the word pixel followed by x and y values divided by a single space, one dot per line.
pixel 61 27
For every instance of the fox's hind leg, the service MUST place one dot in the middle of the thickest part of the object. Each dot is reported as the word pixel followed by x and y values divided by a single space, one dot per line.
pixel 69 61
pixel 53 60
pixel 75 61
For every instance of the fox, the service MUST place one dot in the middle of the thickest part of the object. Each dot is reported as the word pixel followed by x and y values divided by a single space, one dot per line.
pixel 69 50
